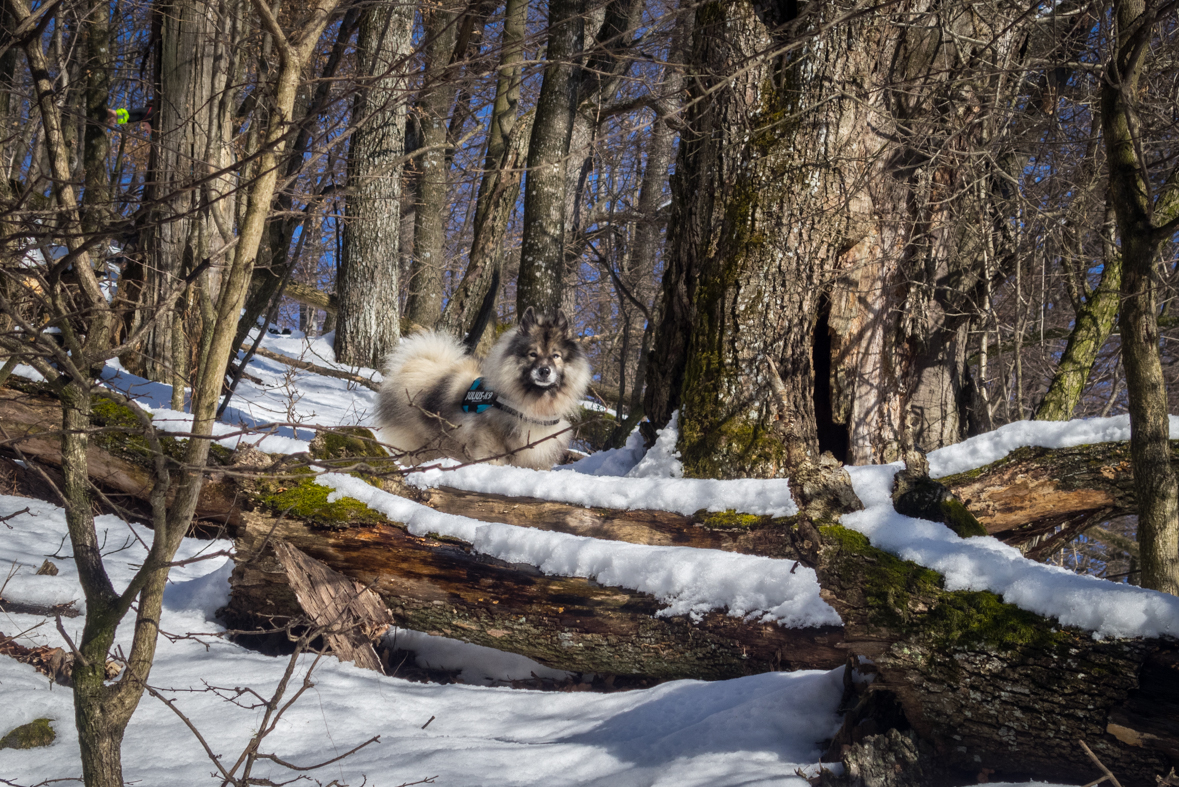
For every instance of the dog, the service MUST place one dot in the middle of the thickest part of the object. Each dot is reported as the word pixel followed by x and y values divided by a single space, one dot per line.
pixel 512 408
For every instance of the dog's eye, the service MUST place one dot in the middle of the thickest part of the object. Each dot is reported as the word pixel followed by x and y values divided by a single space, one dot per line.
pixel 556 356
pixel 531 355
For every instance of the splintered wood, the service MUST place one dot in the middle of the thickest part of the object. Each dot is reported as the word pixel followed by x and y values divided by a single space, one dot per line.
pixel 351 616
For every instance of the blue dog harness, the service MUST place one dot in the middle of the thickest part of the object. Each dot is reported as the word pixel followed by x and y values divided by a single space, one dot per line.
pixel 479 398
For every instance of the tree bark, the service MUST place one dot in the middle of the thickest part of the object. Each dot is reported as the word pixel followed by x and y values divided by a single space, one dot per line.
pixel 96 199
pixel 1154 478
pixel 183 123
pixel 368 323
pixel 442 587
pixel 817 228
pixel 423 304
pixel 542 248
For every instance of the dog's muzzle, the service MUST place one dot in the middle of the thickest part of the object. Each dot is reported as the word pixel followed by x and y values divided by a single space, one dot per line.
pixel 543 376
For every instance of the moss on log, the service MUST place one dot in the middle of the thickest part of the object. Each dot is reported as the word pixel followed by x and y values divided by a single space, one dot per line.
pixel 992 686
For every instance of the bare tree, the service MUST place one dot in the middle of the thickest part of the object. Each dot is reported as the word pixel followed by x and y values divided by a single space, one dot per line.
pixel 542 252
pixel 448 32
pixel 1147 211
pixel 470 306
pixel 367 283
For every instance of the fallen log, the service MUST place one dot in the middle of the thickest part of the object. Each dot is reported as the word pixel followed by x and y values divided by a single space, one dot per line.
pixel 992 687
pixel 442 587
pixel 1023 497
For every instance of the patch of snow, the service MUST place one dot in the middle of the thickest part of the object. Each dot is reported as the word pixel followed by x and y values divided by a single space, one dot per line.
pixel 758 730
pixel 663 460
pixel 1108 609
pixel 990 447
pixel 690 581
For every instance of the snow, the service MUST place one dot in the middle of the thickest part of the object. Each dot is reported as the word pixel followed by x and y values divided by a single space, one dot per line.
pixel 993 446
pixel 1108 609
pixel 690 581
pixel 756 730
pixel 750 731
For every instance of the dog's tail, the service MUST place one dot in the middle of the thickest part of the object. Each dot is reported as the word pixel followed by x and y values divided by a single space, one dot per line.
pixel 424 350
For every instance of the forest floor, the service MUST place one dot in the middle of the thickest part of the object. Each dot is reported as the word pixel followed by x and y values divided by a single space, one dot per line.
pixel 458 714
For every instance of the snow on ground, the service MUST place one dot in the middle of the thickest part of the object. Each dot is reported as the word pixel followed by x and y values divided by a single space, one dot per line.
pixel 756 730
pixel 751 731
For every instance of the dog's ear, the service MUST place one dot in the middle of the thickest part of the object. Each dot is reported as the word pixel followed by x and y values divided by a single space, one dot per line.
pixel 527 320
pixel 561 322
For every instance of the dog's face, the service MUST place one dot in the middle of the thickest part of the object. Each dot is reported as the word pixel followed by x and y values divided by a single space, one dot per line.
pixel 542 350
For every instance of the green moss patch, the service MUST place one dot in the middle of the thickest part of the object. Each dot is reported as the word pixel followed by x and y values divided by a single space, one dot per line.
pixel 908 598
pixel 304 499
pixel 728 520
pixel 346 443
pixel 35 734
pixel 924 498
pixel 120 433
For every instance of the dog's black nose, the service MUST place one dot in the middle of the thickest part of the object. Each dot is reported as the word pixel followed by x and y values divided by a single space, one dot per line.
pixel 543 371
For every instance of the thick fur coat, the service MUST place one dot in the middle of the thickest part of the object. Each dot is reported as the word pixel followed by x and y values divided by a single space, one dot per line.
pixel 537 370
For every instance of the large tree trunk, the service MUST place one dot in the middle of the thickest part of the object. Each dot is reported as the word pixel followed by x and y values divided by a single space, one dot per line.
pixel 808 303
pixel 184 129
pixel 368 324
pixel 423 304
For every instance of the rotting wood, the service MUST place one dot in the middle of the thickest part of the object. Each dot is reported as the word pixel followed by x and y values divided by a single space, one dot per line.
pixel 443 587
pixel 350 616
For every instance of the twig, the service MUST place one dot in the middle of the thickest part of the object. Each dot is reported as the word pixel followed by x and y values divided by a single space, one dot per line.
pixel 12 569
pixel 1113 779
pixel 14 514
pixel 293 767
pixel 192 727
pixel 73 648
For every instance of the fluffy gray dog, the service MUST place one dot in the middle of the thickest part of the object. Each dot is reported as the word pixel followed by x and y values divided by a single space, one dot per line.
pixel 511 408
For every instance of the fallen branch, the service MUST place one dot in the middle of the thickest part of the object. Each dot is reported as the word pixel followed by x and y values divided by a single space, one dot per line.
pixel 324 370
pixel 1112 779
